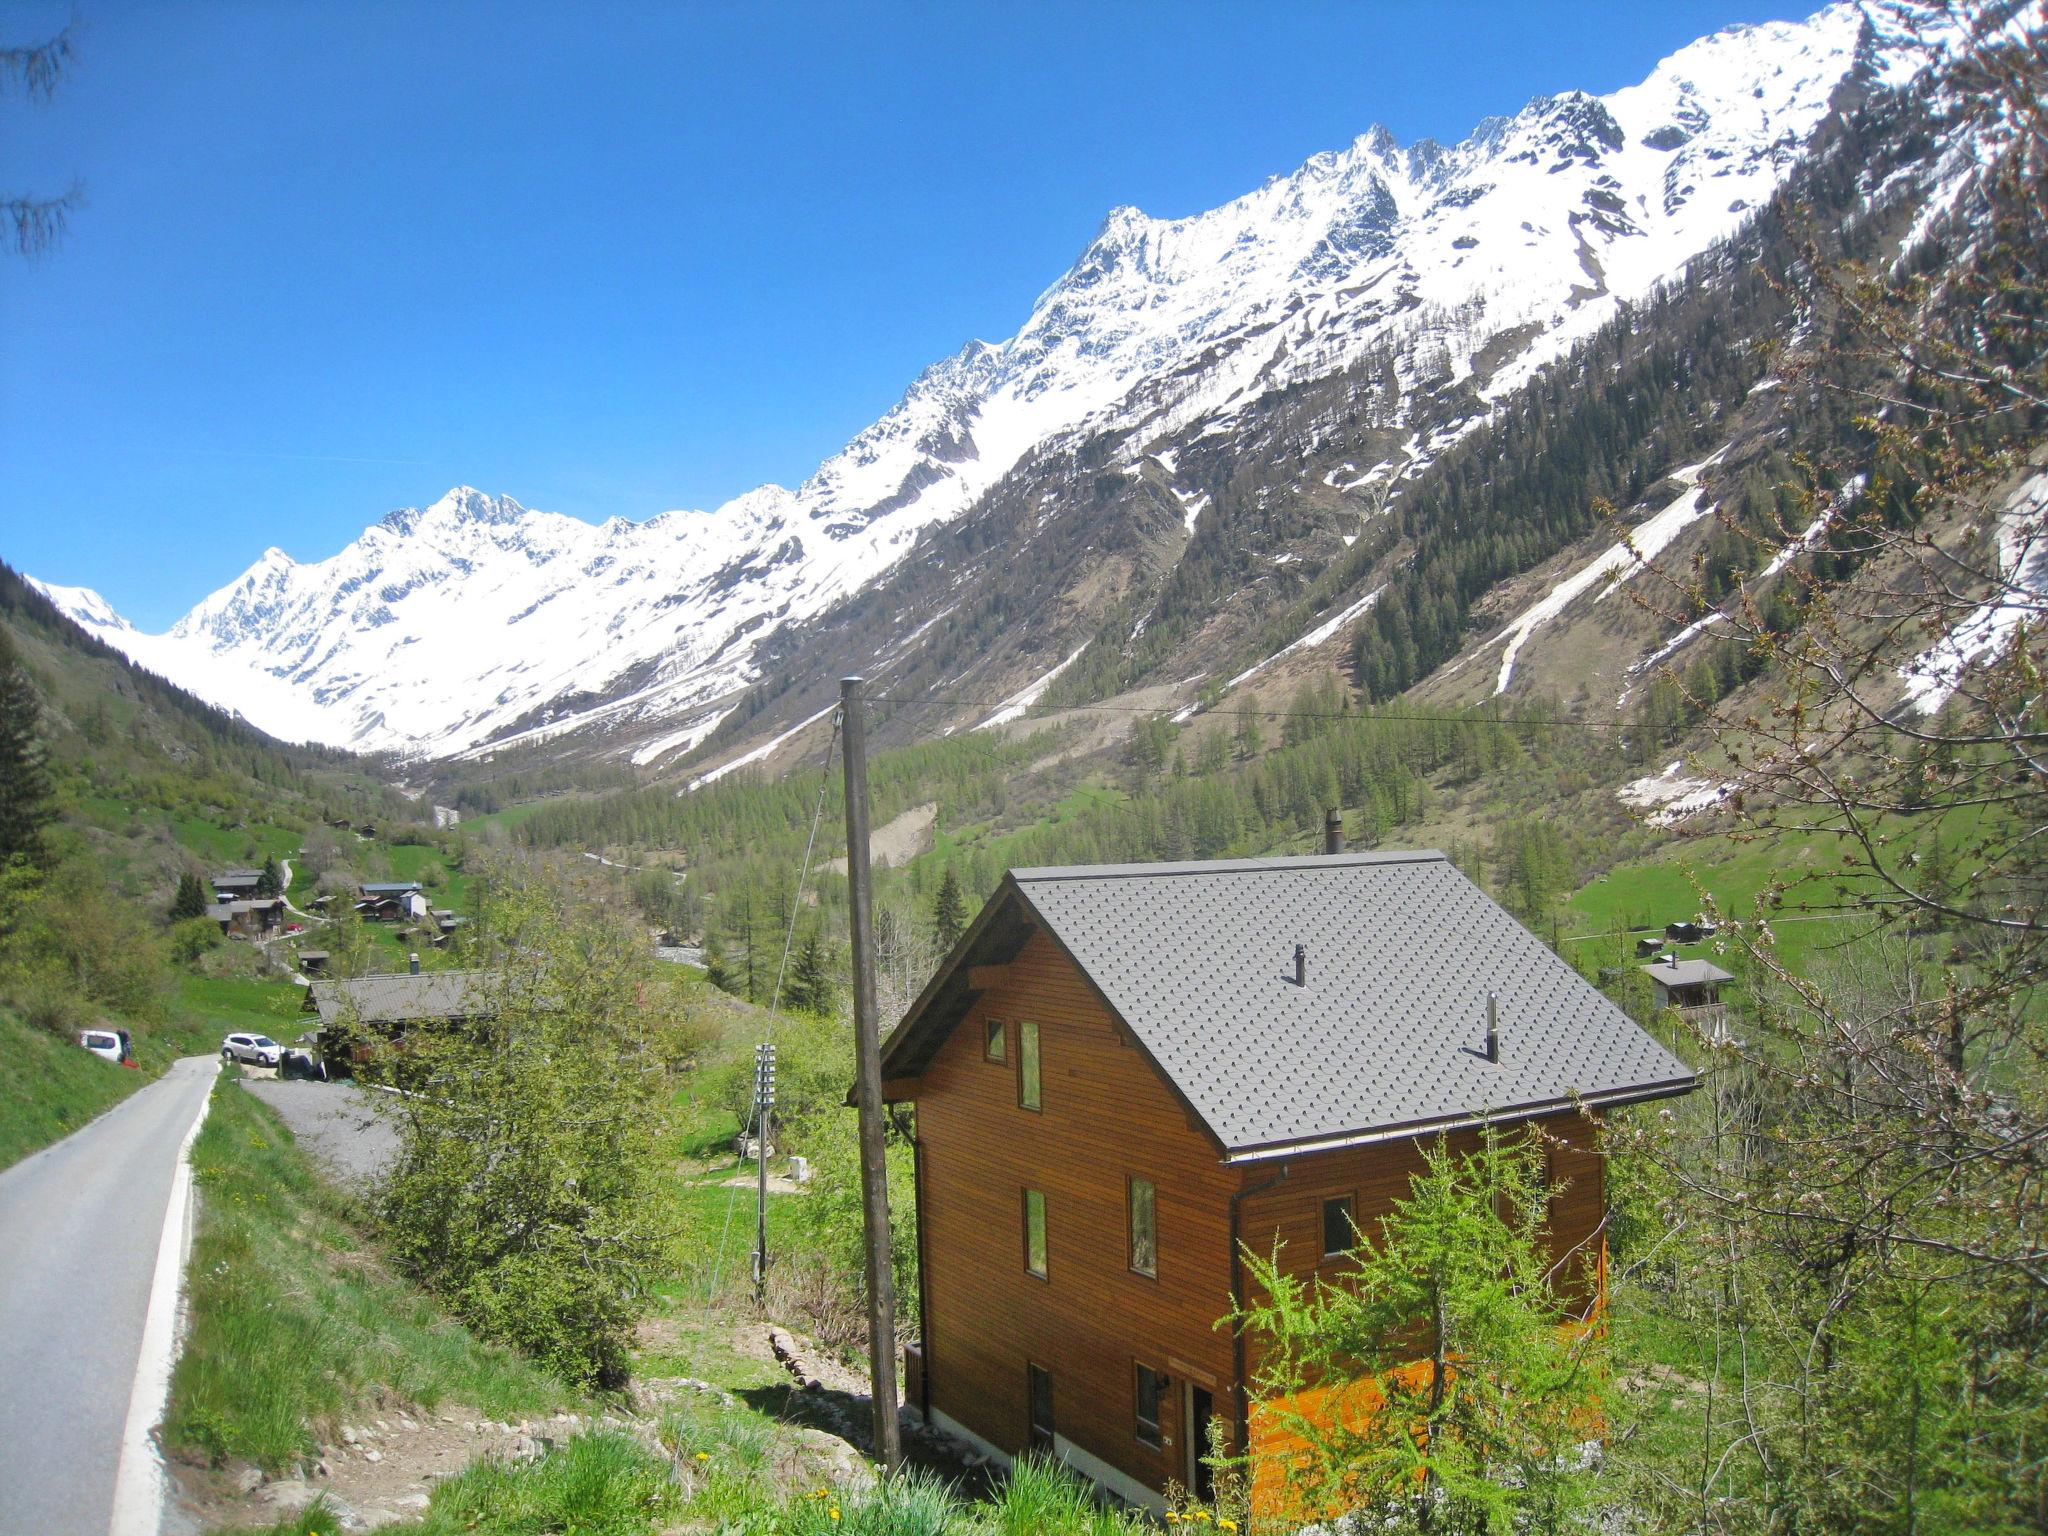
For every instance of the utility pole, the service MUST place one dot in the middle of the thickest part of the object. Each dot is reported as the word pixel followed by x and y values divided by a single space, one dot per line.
pixel 764 1106
pixel 867 1055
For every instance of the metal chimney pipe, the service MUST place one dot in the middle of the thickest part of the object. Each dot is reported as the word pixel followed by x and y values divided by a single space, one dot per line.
pixel 1333 830
pixel 415 962
pixel 1301 965
pixel 1493 1027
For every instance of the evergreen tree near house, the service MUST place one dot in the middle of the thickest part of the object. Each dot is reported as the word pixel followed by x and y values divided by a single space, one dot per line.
pixel 810 988
pixel 25 802
pixel 270 881
pixel 949 913
pixel 191 900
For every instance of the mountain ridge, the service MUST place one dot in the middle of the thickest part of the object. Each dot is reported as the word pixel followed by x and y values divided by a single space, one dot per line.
pixel 1476 264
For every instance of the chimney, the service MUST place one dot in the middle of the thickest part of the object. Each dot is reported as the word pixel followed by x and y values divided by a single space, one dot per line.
pixel 415 962
pixel 1333 830
pixel 1301 965
pixel 1493 1027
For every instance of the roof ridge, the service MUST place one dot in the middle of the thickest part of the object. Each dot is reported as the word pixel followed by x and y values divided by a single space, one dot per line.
pixel 1275 864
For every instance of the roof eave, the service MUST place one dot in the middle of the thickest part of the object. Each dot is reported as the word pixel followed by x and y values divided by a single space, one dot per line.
pixel 1612 1098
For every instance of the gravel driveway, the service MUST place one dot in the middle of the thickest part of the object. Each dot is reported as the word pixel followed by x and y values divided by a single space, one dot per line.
pixel 337 1123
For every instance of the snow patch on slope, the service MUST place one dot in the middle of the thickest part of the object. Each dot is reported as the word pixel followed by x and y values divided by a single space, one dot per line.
pixel 1322 634
pixel 1645 542
pixel 1016 704
pixel 1933 676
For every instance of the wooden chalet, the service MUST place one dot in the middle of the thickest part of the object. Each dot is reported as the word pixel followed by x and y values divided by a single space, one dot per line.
pixel 249 919
pixel 236 884
pixel 1122 1073
pixel 1693 987
pixel 390 901
pixel 357 1014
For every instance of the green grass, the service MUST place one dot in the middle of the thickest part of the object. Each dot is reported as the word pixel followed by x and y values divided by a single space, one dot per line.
pixel 409 860
pixel 510 817
pixel 295 1319
pixel 221 847
pixel 50 1087
pixel 211 1006
pixel 1666 887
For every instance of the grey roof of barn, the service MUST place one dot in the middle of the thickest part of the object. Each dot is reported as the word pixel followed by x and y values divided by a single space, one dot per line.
pixel 1388 1036
pixel 404 998
pixel 1687 973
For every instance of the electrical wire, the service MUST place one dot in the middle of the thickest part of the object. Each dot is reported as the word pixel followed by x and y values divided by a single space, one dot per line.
pixel 1545 721
pixel 754 1121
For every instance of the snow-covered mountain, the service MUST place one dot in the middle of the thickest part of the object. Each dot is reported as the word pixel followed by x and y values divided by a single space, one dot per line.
pixel 476 620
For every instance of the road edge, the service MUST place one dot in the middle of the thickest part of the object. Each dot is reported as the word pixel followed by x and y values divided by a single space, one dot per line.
pixel 140 1482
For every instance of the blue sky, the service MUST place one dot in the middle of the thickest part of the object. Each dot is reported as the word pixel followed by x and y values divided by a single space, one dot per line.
pixel 619 258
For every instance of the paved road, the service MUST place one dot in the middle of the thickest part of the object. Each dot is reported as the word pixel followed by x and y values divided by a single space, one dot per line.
pixel 335 1122
pixel 80 1226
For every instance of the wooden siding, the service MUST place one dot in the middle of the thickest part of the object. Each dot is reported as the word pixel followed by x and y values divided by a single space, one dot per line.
pixel 1105 1115
pixel 1291 1213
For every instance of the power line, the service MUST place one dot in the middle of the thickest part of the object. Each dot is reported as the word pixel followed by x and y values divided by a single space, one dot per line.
pixel 1556 722
pixel 756 1119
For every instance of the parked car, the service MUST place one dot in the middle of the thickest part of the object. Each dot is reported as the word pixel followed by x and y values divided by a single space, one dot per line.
pixel 253 1050
pixel 109 1044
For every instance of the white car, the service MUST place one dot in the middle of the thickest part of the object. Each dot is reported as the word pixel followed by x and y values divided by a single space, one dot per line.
pixel 255 1050
pixel 105 1043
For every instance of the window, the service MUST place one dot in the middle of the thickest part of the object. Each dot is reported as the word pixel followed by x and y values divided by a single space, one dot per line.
pixel 1034 1232
pixel 1027 1064
pixel 1144 1202
pixel 1151 1392
pixel 1340 1233
pixel 1039 1389
pixel 993 1046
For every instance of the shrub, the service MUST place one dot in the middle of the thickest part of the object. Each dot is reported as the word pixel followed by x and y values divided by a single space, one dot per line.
pixel 50 1004
pixel 192 938
pixel 524 1187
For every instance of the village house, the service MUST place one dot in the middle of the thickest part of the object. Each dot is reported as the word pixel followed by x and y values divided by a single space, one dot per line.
pixel 1124 1072
pixel 1693 987
pixel 368 1009
pixel 391 901
pixel 248 919
pixel 236 884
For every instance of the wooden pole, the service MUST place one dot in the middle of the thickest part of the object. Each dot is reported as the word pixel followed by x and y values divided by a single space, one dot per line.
pixel 867 1049
pixel 764 1103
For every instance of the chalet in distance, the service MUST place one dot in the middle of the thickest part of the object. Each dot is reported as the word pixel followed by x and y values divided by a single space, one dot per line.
pixel 1123 1071
pixel 391 901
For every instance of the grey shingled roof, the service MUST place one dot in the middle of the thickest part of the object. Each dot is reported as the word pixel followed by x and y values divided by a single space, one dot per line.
pixel 1389 1033
pixel 404 998
pixel 1687 973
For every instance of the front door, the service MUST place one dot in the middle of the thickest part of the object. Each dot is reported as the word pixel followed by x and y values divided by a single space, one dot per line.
pixel 1040 1389
pixel 1201 1478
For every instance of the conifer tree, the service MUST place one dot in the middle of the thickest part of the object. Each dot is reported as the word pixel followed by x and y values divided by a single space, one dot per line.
pixel 949 913
pixel 190 900
pixel 810 987
pixel 270 882
pixel 25 807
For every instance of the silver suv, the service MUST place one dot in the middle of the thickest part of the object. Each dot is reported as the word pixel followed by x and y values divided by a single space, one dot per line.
pixel 255 1050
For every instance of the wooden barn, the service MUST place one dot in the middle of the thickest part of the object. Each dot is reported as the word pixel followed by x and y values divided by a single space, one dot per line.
pixel 1123 1072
